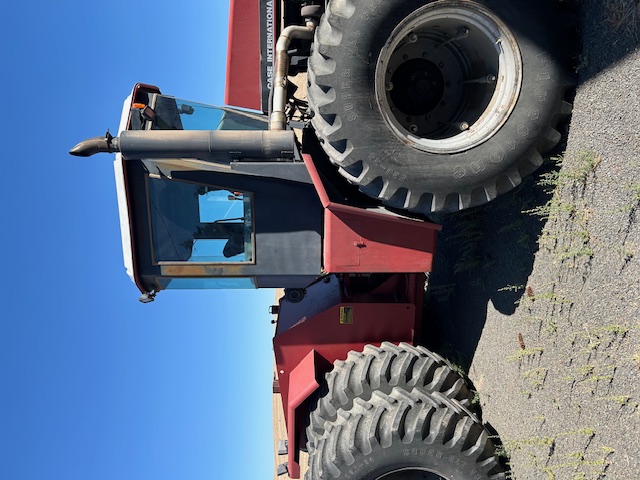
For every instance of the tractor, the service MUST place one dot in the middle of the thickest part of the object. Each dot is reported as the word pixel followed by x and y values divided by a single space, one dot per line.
pixel 325 188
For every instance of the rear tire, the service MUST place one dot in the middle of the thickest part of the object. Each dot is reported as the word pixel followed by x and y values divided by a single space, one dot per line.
pixel 393 106
pixel 405 436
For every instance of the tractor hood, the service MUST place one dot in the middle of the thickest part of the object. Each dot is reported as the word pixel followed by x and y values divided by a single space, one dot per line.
pixel 250 55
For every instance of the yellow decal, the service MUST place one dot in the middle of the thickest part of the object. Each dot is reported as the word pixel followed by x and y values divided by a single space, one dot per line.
pixel 346 315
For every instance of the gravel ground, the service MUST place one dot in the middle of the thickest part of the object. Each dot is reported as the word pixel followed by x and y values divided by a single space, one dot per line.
pixel 541 308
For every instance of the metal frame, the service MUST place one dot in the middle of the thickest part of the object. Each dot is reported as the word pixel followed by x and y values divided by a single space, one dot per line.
pixel 330 321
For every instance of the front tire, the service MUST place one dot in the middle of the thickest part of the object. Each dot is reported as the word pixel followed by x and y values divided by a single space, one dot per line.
pixel 381 369
pixel 405 436
pixel 438 107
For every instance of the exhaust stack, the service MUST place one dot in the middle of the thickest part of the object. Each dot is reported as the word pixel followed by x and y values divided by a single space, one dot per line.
pixel 208 145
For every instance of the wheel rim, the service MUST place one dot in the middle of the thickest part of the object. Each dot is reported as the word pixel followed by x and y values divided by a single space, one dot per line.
pixel 411 474
pixel 448 77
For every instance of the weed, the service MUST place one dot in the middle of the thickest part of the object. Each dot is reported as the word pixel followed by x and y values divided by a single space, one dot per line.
pixel 614 329
pixel 510 227
pixel 552 326
pixel 621 400
pixel 598 335
pixel 634 203
pixel 466 236
pixel 511 288
pixel 636 359
pixel 525 353
pixel 635 191
pixel 549 180
pixel 552 209
pixel 443 293
pixel 582 61
pixel 627 254
pixel 571 253
pixel 593 376
pixel 589 432
pixel 458 361
pixel 575 455
pixel 536 377
pixel 549 296
pixel 501 451
pixel 624 15
pixel 476 398
pixel 530 441
pixel 586 164
pixel 585 370
pixel 598 378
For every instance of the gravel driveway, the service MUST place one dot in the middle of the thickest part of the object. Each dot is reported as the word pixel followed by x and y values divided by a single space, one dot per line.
pixel 542 308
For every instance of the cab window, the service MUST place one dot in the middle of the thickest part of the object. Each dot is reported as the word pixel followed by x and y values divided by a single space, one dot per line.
pixel 193 222
pixel 176 114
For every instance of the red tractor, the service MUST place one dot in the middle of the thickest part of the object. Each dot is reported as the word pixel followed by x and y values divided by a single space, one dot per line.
pixel 413 108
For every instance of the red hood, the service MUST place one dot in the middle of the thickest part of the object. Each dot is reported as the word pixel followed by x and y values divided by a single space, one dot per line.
pixel 250 51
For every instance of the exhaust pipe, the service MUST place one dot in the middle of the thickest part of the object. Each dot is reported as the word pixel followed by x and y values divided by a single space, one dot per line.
pixel 91 146
pixel 210 145
pixel 278 119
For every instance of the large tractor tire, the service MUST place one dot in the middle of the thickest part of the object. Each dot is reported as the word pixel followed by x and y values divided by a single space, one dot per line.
pixel 436 106
pixel 381 369
pixel 405 436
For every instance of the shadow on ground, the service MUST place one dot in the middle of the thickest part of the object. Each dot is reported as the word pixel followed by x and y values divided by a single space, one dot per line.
pixel 484 255
pixel 487 254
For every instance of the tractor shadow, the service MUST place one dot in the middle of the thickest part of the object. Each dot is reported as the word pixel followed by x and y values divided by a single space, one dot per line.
pixel 609 31
pixel 486 254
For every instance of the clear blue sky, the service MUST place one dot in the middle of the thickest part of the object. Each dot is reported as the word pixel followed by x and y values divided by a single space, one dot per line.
pixel 93 384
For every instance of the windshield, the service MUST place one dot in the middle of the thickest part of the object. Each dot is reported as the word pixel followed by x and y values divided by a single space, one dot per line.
pixel 170 113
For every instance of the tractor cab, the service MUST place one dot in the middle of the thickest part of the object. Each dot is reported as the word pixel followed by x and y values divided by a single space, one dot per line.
pixel 193 223
pixel 210 198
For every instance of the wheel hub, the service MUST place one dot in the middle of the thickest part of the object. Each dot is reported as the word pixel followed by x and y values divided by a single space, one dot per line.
pixel 417 87
pixel 448 77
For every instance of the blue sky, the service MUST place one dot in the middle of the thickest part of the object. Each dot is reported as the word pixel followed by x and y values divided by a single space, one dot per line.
pixel 93 384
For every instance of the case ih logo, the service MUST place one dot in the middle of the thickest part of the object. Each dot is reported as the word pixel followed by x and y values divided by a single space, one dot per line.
pixel 267 15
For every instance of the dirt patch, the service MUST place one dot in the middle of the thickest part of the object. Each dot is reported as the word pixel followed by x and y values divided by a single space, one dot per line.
pixel 537 295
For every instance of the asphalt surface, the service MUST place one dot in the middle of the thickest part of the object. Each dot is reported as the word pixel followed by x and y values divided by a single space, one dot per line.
pixel 542 308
